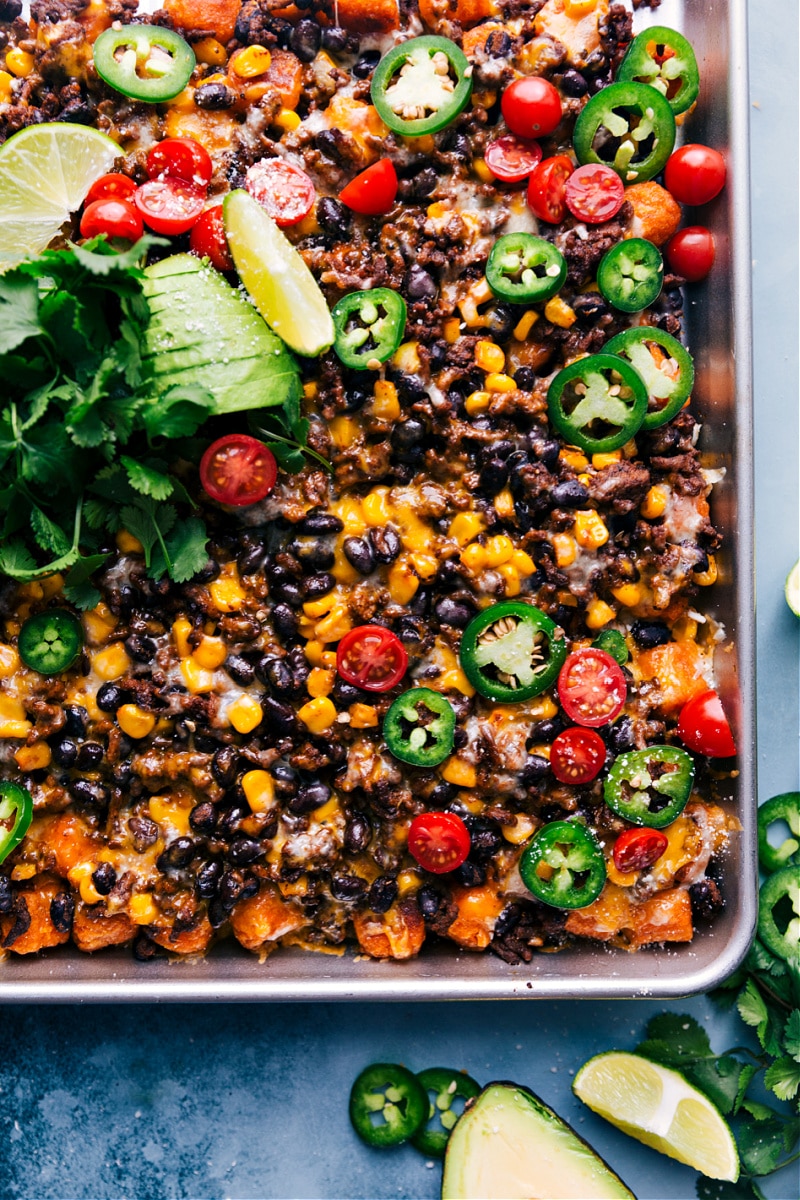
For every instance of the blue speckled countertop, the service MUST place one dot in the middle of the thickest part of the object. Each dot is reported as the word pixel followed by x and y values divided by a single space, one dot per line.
pixel 148 1103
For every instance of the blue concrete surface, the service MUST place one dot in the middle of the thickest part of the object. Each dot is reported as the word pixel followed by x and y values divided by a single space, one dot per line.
pixel 149 1103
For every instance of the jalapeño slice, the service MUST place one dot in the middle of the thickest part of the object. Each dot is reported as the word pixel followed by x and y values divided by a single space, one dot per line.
pixel 650 787
pixel 388 1104
pixel 665 366
pixel 50 641
pixel 663 58
pixel 144 62
pixel 563 865
pixel 626 126
pixel 419 727
pixel 16 811
pixel 786 810
pixel 631 275
pixel 779 914
pixel 369 327
pixel 597 403
pixel 524 269
pixel 421 85
pixel 612 641
pixel 447 1085
pixel 512 651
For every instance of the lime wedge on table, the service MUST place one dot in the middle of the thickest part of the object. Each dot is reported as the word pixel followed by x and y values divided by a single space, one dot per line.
pixel 282 288
pixel 660 1108
pixel 45 172
pixel 792 589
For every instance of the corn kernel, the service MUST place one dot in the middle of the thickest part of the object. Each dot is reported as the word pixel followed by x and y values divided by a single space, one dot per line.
pixel 334 626
pixel 601 461
pixel 134 721
pixel 654 504
pixel 33 758
pixel 406 358
pixel 565 547
pixel 709 576
pixel 111 662
pixel 590 529
pixel 523 562
pixel 477 402
pixel 245 714
pixel 439 208
pixel 180 634
pixel 5 87
pixel 318 715
pixel 20 63
pixel 363 716
pixel 375 507
pixel 473 557
pixel 287 120
pixel 455 680
pixel 98 623
pixel 196 678
pixel 318 608
pixel 142 909
pixel 24 871
pixel 385 404
pixel 452 330
pixel 504 505
pixel 488 356
pixel 465 526
pixel 519 832
pixel 510 575
pixel 498 382
pixel 343 431
pixel 499 550
pixel 89 893
pixel 259 790
pixel 227 592
pixel 211 653
pixel 620 878
pixel 598 614
pixel 525 324
pixel 482 171
pixel 127 543
pixel 210 52
pixel 408 881
pixel 402 581
pixel 577 9
pixel 585 478
pixel 9 660
pixel 573 458
pixel 685 629
pixel 628 594
pixel 559 313
pixel 249 63
pixel 320 682
pixel 314 653
pixel 459 773
pixel 13 722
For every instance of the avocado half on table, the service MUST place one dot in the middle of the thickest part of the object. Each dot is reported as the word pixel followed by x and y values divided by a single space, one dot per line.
pixel 508 1145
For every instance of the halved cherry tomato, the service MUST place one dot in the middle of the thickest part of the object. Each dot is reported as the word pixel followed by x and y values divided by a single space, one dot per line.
pixel 180 158
pixel 238 470
pixel 439 841
pixel 115 218
pixel 638 849
pixel 691 252
pixel 591 687
pixel 546 188
pixel 695 174
pixel 531 107
pixel 511 158
pixel 703 727
pixel 373 191
pixel 372 658
pixel 110 187
pixel 208 239
pixel 594 193
pixel 577 755
pixel 285 191
pixel 169 205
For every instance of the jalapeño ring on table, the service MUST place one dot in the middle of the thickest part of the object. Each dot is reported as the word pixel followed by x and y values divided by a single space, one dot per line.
pixel 145 62
pixel 393 1093
pixel 781 934
pixel 663 58
pixel 369 327
pixel 563 865
pixel 50 641
pixel 16 813
pixel 631 275
pixel 650 787
pixel 665 366
pixel 512 651
pixel 628 127
pixel 597 403
pixel 786 809
pixel 421 85
pixel 432 1139
pixel 419 727
pixel 524 269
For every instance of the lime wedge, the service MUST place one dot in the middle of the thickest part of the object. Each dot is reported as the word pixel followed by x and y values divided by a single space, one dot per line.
pixel 659 1107
pixel 45 172
pixel 280 284
pixel 792 589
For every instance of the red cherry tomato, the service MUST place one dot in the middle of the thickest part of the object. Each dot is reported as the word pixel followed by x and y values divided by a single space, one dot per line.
pixel 108 187
pixel 594 193
pixel 282 189
pixel 238 470
pixel 577 755
pixel 591 687
pixel 115 218
pixel 439 841
pixel 546 188
pixel 695 174
pixel 638 849
pixel 208 239
pixel 372 658
pixel 180 158
pixel 511 158
pixel 373 191
pixel 691 252
pixel 703 727
pixel 531 107
pixel 169 205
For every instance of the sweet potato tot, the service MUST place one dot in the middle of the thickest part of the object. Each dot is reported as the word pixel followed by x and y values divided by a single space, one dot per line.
pixel 29 928
pixel 399 933
pixel 478 910
pixel 369 16
pixel 93 929
pixel 576 29
pixel 186 941
pixel 265 917
pixel 466 12
pixel 218 16
pixel 665 917
pixel 70 841
pixel 679 669
pixel 656 214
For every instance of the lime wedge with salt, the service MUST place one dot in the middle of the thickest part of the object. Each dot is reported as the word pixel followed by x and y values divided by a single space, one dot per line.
pixel 281 286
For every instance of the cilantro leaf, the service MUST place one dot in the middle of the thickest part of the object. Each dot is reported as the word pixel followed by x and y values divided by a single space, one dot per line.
pixel 675 1039
pixel 719 1080
pixel 19 310
pixel 77 587
pixel 186 551
pixel 722 1189
pixel 16 560
pixel 48 534
pixel 783 1078
pixel 752 1007
pixel 145 477
pixel 760 1145
pixel 179 413
pixel 791 1033
pixel 100 259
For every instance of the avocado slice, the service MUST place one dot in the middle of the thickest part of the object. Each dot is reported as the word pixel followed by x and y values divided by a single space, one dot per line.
pixel 508 1145
pixel 203 332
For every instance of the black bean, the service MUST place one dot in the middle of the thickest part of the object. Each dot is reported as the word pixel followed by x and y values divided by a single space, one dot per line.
pixel 305 39
pixel 139 648
pixel 145 833
pixel 443 794
pixel 309 797
pixel 207 879
pixel 10 10
pixel 509 918
pixel 545 731
pixel 470 874
pixel 525 379
pixel 217 913
pixel 122 774
pixel 411 386
pixel 385 543
pixel 497 44
pixel 104 878
pixel 620 735
pixel 570 494
pixel 251 560
pixel 344 694
pixel 214 97
pixel 454 612
pixel 485 837
pixel 438 355
pixel 419 283
pixel 534 770
pixel 225 765
pixel 383 893
pixel 90 756
pixel 494 475
pixel 208 573
pixel 589 308
pixel 356 396
pixel 276 674
pixel 65 752
pixel 290 592
pixel 230 889
pixel 231 820
pixel 203 817
pixel 6 895
pixel 429 902
pixel 357 832
pixel 650 633
pixel 459 739
pixel 423 183
pixel 545 449
pixel 240 670
pixel 92 795
pixel 319 585
pixel 286 778
pixel 285 622
pixel 366 64
pixel 313 555
pixel 573 84
pixel 334 39
pixel 320 522
pixel 458 144
pixel 360 554
pixel 407 434
pixel 144 948
pixel 244 850
pixel 76 718
pixel 348 887
pixel 110 697
pixel 706 899
pixel 62 911
pixel 278 717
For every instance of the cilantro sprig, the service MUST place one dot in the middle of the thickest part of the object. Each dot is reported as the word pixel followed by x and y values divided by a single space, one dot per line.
pixel 285 431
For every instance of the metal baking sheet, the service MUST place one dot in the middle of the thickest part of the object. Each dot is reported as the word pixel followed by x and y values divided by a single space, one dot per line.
pixel 719 336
